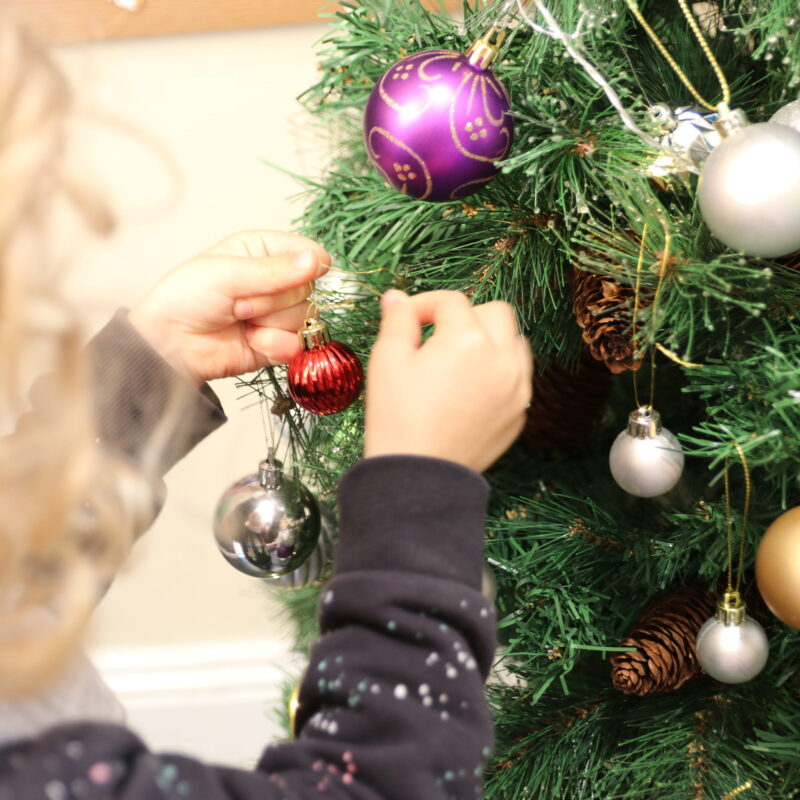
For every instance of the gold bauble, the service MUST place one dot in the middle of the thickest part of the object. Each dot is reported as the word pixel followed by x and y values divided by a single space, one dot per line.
pixel 778 567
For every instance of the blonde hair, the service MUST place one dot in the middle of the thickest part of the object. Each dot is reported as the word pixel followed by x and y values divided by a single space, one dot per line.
pixel 68 507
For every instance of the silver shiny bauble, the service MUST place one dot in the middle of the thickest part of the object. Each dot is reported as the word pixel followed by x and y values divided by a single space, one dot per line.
pixel 731 647
pixel 646 459
pixel 749 190
pixel 266 524
pixel 317 567
pixel 788 115
pixel 689 134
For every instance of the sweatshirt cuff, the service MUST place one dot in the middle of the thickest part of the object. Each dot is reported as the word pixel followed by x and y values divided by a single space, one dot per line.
pixel 143 407
pixel 414 514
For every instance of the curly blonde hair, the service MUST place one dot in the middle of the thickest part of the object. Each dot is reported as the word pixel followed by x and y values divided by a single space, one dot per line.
pixel 68 506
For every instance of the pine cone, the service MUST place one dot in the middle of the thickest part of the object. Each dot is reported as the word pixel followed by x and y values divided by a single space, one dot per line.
pixel 566 404
pixel 604 309
pixel 792 260
pixel 664 640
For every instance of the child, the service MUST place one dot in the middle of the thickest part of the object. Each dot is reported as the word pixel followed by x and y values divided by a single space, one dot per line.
pixel 392 703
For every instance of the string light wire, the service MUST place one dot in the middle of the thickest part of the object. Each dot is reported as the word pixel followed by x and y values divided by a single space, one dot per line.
pixel 554 31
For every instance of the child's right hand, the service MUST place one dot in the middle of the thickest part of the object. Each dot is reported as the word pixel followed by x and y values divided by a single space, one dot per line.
pixel 461 395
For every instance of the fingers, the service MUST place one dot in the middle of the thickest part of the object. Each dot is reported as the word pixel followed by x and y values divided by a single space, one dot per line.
pixel 450 311
pixel 526 355
pixel 272 345
pixel 261 244
pixel 255 307
pixel 499 321
pixel 240 278
pixel 400 327
pixel 447 310
pixel 289 319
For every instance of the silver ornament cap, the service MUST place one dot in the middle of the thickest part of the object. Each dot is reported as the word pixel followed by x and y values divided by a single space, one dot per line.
pixel 267 524
pixel 732 647
pixel 646 459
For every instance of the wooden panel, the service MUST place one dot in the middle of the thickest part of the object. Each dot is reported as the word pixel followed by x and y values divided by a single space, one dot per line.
pixel 61 21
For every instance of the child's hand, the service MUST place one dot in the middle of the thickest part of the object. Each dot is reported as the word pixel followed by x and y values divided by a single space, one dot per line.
pixel 460 396
pixel 235 308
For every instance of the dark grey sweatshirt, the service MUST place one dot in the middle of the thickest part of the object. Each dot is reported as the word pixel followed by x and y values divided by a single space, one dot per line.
pixel 392 704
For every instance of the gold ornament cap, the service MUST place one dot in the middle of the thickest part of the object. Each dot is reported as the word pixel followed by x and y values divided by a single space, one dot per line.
pixel 483 51
pixel 314 333
pixel 644 423
pixel 731 610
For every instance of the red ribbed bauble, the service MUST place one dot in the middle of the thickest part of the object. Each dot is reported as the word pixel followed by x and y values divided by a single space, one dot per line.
pixel 325 377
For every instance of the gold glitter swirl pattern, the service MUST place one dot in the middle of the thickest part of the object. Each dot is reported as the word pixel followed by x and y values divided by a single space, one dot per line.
pixel 459 192
pixel 403 71
pixel 476 128
pixel 403 173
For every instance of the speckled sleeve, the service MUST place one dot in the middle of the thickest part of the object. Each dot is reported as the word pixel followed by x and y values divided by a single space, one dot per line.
pixel 392 704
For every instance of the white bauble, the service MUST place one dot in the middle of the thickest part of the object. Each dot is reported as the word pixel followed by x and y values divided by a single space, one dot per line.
pixel 788 115
pixel 646 460
pixel 749 190
pixel 732 653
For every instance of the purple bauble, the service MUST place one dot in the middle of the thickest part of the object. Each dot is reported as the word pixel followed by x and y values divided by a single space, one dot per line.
pixel 435 125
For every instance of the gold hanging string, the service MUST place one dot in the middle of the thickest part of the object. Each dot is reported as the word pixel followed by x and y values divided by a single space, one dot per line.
pixel 312 303
pixel 729 520
pixel 673 356
pixel 662 271
pixel 738 790
pixel 662 48
pixel 324 307
pixel 639 264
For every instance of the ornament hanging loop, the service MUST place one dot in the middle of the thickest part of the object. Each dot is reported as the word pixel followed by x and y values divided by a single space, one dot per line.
pixel 730 121
pixel 731 610
pixel 314 333
pixel 269 471
pixel 729 523
pixel 483 51
pixel 644 423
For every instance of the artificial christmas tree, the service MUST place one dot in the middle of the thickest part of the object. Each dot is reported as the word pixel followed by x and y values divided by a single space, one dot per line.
pixel 590 185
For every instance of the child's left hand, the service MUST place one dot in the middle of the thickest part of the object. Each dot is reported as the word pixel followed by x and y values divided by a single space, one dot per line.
pixel 235 308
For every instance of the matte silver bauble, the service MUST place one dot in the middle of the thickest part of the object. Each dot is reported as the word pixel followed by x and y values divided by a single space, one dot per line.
pixel 788 115
pixel 266 524
pixel 732 647
pixel 749 189
pixel 646 459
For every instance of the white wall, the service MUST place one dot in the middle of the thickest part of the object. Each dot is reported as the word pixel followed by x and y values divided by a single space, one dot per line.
pixel 217 104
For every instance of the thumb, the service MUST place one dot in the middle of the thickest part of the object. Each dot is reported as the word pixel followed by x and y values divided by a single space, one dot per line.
pixel 400 325
pixel 250 277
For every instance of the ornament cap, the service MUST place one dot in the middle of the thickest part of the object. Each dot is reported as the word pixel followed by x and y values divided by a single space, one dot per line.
pixel 644 423
pixel 269 472
pixel 731 121
pixel 731 610
pixel 483 51
pixel 314 333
